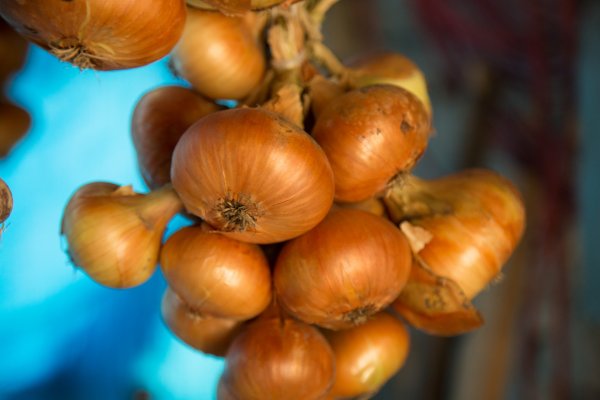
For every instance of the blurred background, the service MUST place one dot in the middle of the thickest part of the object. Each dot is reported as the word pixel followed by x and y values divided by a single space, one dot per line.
pixel 514 87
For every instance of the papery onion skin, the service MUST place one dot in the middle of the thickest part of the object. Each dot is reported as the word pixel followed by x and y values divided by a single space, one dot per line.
pixel 368 355
pixel 252 175
pixel 370 135
pixel 348 267
pixel 476 218
pixel 6 202
pixel 236 7
pixel 390 68
pixel 208 334
pixel 14 124
pixel 219 55
pixel 114 234
pixel 217 275
pixel 99 34
pixel 159 120
pixel 279 358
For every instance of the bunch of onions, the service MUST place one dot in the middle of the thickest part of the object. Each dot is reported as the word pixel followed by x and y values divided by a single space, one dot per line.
pixel 210 335
pixel 216 275
pixel 159 120
pixel 219 55
pixel 100 34
pixel 6 202
pixel 278 358
pixel 236 7
pixel 370 135
pixel 392 69
pixel 14 124
pixel 368 355
pixel 350 266
pixel 252 175
pixel 114 234
pixel 471 222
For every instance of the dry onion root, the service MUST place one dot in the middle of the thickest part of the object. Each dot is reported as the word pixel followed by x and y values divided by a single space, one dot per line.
pixel 99 34
pixel 236 7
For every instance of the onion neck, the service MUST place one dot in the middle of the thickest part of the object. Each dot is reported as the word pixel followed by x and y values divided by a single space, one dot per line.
pixel 158 207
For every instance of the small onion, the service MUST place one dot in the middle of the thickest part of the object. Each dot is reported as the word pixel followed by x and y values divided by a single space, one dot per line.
pixel 99 34
pixel 393 69
pixel 278 358
pixel 252 175
pixel 348 267
pixel 471 222
pixel 14 124
pixel 114 234
pixel 208 334
pixel 370 135
pixel 367 356
pixel 219 55
pixel 159 119
pixel 6 202
pixel 217 275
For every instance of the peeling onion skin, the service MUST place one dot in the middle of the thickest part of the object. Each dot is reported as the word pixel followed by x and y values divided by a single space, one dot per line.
pixel 347 268
pixel 99 34
pixel 370 135
pixel 159 120
pixel 252 175
pixel 278 358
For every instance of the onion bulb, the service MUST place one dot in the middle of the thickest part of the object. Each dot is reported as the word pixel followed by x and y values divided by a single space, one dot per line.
pixel 219 55
pixel 370 135
pixel 6 202
pixel 14 124
pixel 393 69
pixel 114 234
pixel 203 332
pixel 463 226
pixel 217 275
pixel 99 34
pixel 278 358
pixel 347 268
pixel 252 175
pixel 159 119
pixel 367 356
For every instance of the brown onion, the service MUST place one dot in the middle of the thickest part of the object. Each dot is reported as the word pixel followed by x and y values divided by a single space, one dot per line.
pixel 6 202
pixel 370 135
pixel 464 226
pixel 114 234
pixel 99 34
pixel 13 50
pixel 159 119
pixel 14 124
pixel 367 356
pixel 278 358
pixel 217 275
pixel 252 175
pixel 219 55
pixel 203 332
pixel 393 69
pixel 348 267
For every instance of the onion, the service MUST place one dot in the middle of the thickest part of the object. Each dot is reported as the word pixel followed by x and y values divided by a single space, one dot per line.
pixel 464 226
pixel 13 50
pixel 373 205
pixel 278 358
pixel 159 120
pixel 252 175
pixel 203 332
pixel 14 124
pixel 350 266
pixel 6 202
pixel 99 34
pixel 367 356
pixel 393 69
pixel 370 135
pixel 114 234
pixel 217 275
pixel 219 55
